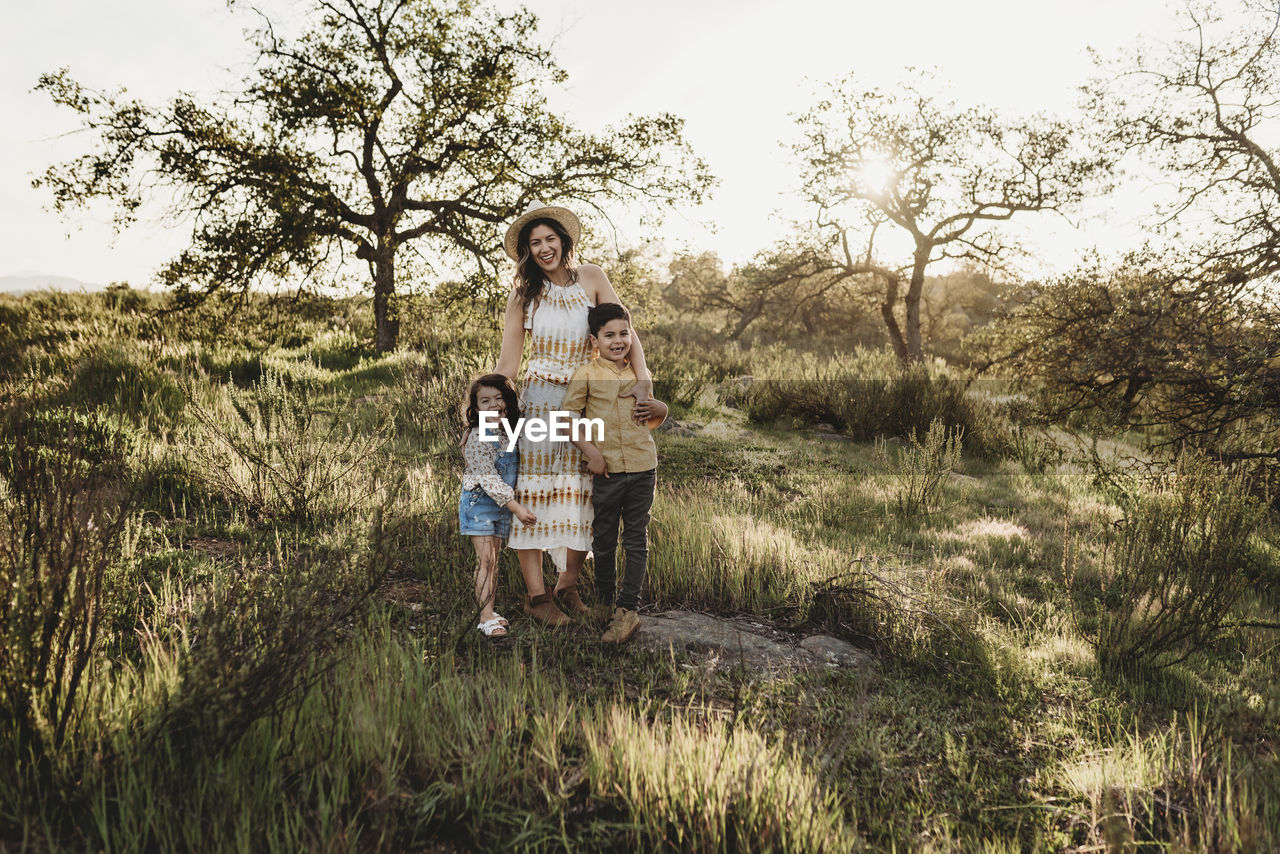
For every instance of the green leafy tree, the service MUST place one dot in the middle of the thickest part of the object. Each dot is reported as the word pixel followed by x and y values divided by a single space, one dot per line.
pixel 944 176
pixel 384 124
pixel 1195 360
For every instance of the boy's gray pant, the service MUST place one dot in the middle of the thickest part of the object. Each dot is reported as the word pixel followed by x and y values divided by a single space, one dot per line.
pixel 624 497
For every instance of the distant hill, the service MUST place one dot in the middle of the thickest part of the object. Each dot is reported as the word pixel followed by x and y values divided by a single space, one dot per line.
pixel 28 282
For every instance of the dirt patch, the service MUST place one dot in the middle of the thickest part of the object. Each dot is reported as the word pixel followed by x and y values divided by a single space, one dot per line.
pixel 214 546
pixel 407 593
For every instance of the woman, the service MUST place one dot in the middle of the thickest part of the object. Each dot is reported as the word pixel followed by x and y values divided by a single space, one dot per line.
pixel 549 303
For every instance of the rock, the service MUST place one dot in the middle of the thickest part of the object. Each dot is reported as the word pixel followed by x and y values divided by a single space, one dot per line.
pixel 721 643
pixel 675 428
pixel 836 652
pixel 824 427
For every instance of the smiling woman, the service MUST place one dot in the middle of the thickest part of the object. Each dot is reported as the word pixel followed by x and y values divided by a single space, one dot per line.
pixel 549 302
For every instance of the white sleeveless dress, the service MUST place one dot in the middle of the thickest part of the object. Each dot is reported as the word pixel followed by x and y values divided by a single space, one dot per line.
pixel 554 482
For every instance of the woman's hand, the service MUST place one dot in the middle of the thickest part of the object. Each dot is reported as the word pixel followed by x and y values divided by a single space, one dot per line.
pixel 642 391
pixel 597 466
pixel 595 460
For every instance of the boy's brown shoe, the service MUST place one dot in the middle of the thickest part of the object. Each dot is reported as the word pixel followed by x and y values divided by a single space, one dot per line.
pixel 621 627
pixel 544 610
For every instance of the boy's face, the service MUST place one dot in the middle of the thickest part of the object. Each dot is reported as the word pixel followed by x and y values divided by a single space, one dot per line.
pixel 614 340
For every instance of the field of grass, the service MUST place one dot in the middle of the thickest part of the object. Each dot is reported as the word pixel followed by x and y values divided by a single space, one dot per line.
pixel 278 654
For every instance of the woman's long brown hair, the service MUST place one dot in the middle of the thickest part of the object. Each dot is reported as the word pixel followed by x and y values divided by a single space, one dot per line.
pixel 529 276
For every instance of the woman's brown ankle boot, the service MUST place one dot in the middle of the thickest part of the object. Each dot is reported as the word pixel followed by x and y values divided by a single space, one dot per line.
pixel 543 609
pixel 570 602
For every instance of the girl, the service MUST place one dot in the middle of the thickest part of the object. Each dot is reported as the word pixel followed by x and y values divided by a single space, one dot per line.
pixel 488 497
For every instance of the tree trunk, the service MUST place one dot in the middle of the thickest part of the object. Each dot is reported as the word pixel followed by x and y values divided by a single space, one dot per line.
pixel 891 322
pixel 746 317
pixel 385 317
pixel 915 347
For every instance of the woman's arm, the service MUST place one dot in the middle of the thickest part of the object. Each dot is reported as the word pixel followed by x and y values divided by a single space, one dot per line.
pixel 512 337
pixel 657 413
pixel 602 291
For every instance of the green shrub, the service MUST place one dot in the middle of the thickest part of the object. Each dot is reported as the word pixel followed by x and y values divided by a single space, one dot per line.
pixel 1170 570
pixel 241 366
pixel 919 470
pixel 909 615
pixel 281 456
pixel 1033 449
pixel 428 396
pixel 128 381
pixel 867 395
pixel 66 517
pixel 685 363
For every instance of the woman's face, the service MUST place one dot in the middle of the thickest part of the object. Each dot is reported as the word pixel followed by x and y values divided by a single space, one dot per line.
pixel 545 247
pixel 489 399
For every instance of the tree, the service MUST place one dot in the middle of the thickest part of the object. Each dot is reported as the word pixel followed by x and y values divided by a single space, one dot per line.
pixel 942 175
pixel 1202 110
pixel 385 123
pixel 775 292
pixel 1139 346
pixel 1185 340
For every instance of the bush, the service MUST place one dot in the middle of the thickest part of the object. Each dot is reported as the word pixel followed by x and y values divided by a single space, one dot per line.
pixel 686 361
pixel 429 393
pixel 904 614
pixel 1170 570
pixel 128 381
pixel 282 456
pixel 66 511
pixel 919 470
pixel 868 395
pixel 258 636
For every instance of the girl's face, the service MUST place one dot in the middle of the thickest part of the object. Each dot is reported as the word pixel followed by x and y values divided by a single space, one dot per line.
pixel 489 399
pixel 545 247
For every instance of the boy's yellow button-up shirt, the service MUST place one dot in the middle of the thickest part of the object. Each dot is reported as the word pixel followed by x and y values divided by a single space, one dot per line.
pixel 594 391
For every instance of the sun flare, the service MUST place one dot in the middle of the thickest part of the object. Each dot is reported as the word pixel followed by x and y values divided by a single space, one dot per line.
pixel 875 173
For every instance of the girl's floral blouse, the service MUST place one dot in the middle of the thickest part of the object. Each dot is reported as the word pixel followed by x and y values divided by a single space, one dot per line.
pixel 481 470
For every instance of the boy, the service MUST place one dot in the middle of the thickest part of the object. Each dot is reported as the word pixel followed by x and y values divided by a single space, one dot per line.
pixel 624 464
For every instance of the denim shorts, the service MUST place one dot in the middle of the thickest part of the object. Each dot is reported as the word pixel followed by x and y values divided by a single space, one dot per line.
pixel 480 516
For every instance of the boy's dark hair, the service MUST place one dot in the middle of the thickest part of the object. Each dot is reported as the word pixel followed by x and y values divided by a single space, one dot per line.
pixel 600 315
pixel 471 409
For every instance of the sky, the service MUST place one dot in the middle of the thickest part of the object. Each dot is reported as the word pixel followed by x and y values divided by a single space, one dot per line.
pixel 735 70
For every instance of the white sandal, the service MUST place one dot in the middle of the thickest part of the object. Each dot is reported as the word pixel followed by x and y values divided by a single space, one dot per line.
pixel 493 628
pixel 501 619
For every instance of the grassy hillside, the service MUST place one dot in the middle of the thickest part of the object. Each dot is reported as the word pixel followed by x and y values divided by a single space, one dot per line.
pixel 266 640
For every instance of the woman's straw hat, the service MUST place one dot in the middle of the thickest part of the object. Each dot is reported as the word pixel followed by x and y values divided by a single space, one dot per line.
pixel 536 210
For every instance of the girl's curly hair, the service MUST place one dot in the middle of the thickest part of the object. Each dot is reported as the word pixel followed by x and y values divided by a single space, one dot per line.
pixel 502 384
